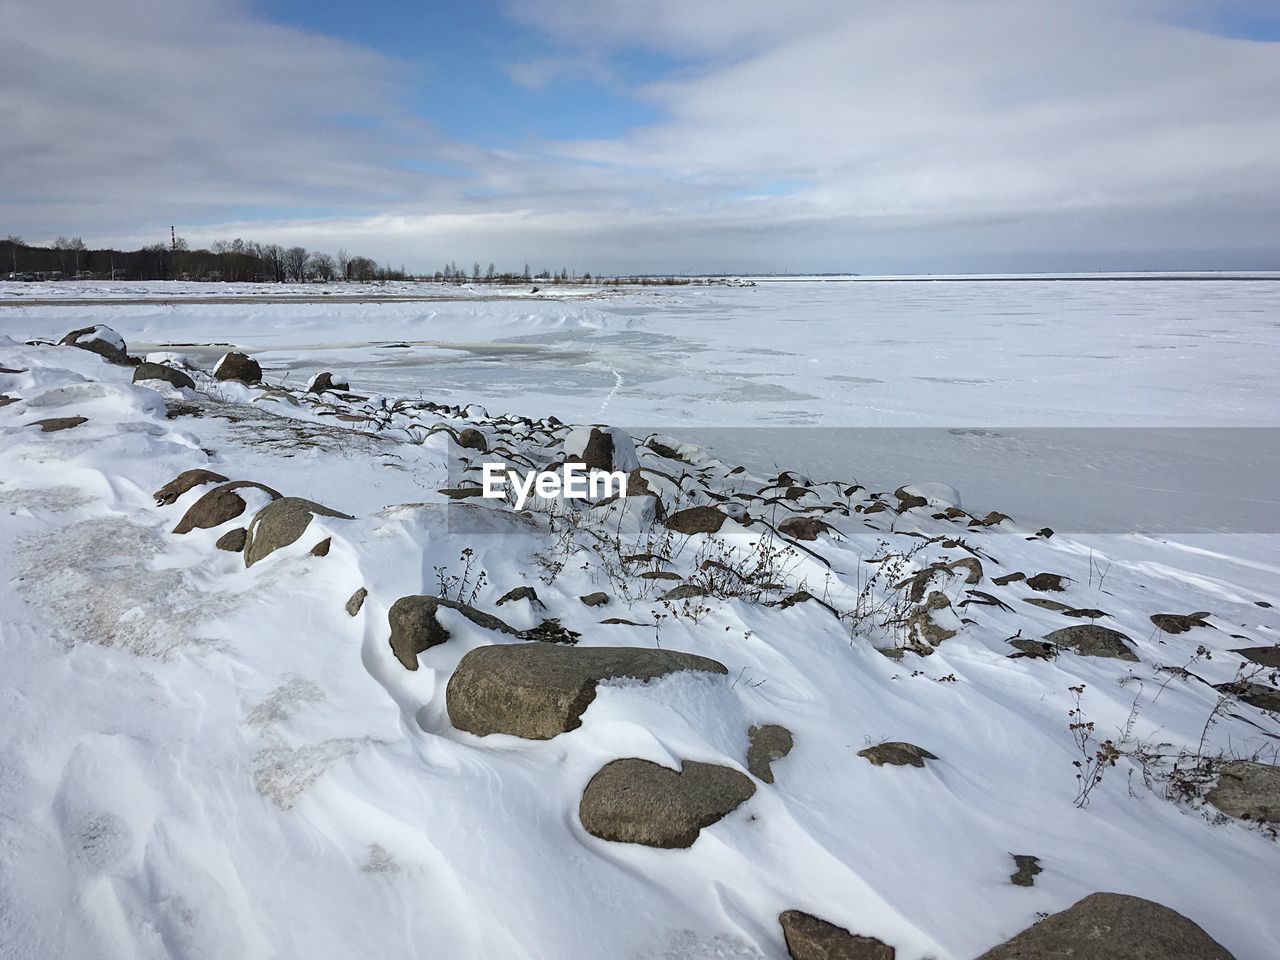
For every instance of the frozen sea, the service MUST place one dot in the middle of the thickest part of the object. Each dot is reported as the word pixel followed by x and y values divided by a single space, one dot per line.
pixel 1106 405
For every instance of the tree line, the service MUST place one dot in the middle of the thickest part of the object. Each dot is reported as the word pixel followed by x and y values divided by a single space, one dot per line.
pixel 246 261
pixel 229 260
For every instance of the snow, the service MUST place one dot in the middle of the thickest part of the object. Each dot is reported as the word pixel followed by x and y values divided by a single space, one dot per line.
pixel 204 760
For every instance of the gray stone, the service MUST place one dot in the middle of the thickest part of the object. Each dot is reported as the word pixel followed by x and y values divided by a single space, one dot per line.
pixel 1254 694
pixel 1248 790
pixel 1053 582
pixel 218 506
pixel 637 801
pixel 537 691
pixel 356 601
pixel 803 528
pixel 473 439
pixel 897 753
pixel 323 382
pixel 158 371
pixel 767 743
pixel 86 339
pixel 233 540
pixel 183 482
pixel 1028 869
pixel 686 591
pixel 1178 622
pixel 54 424
pixel 238 366
pixel 1111 926
pixel 1091 640
pixel 1035 649
pixel 1267 656
pixel 415 628
pixel 696 520
pixel 280 523
pixel 809 938
pixel 521 593
pixel 597 599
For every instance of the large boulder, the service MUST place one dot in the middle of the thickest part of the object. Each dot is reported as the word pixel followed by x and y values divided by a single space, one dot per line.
pixel 809 938
pixel 1248 790
pixel 1267 656
pixel 186 480
pixel 280 523
pixel 158 371
pixel 415 628
pixel 323 382
pixel 601 448
pixel 219 505
pixel 637 801
pixel 1111 926
pixel 696 520
pixel 237 366
pixel 1091 640
pixel 538 691
pixel 1180 622
pixel 98 339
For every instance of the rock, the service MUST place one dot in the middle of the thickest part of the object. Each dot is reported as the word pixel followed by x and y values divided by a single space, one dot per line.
pixel 809 938
pixel 323 382
pixel 767 743
pixel 5 399
pixel 971 566
pixel 321 549
pixel 1085 613
pixel 187 480
pixel 158 371
pixel 601 448
pixel 696 520
pixel 636 801
pixel 1267 656
pixel 280 523
pixel 238 366
pixel 356 601
pixel 98 339
pixel 537 691
pixel 897 753
pixel 551 631
pixel 219 505
pixel 1111 926
pixel 1248 790
pixel 1255 694
pixel 233 540
pixel 1091 640
pixel 597 599
pixel 803 528
pixel 922 630
pixel 992 519
pixel 1047 582
pixel 54 424
pixel 908 501
pixel 1034 649
pixel 1179 623
pixel 686 591
pixel 1045 533
pixel 521 593
pixel 1044 602
pixel 1009 578
pixel 940 496
pixel 414 627
pixel 473 439
pixel 461 493
pixel 1028 869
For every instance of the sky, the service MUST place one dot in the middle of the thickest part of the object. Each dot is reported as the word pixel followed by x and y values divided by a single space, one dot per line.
pixel 696 136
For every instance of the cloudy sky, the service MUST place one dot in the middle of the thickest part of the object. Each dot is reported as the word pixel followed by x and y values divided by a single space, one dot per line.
pixel 655 135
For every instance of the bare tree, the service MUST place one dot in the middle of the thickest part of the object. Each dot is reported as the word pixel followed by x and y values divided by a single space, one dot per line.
pixel 295 263
pixel 343 262
pixel 320 266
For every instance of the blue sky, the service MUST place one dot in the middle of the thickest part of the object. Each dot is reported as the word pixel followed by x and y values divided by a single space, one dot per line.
pixel 656 135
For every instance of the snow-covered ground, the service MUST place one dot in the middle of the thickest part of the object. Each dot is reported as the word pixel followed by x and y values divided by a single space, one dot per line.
pixel 201 759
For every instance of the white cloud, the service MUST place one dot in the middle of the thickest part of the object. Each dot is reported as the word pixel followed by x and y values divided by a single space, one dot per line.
pixel 917 135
